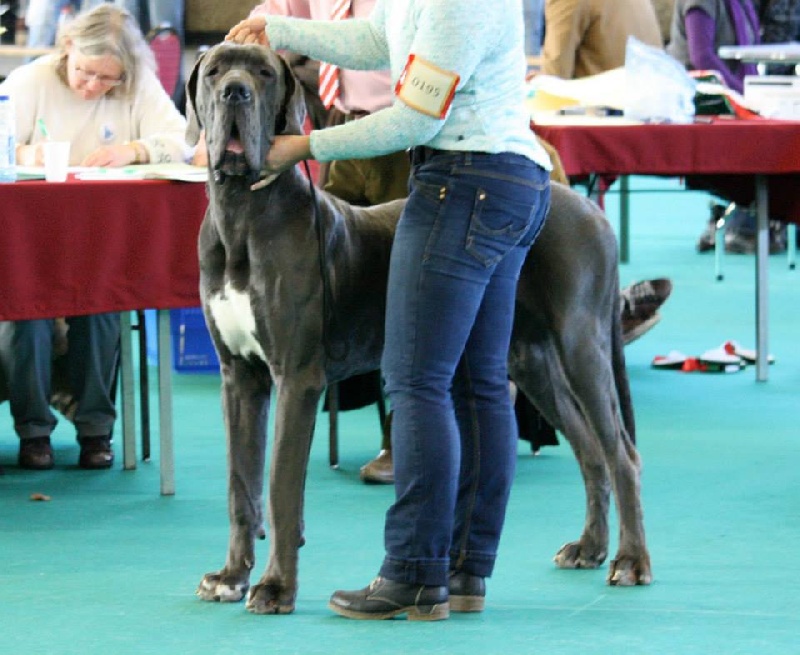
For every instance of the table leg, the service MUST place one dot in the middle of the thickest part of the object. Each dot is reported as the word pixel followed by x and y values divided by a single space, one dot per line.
pixel 128 393
pixel 167 455
pixel 762 283
pixel 624 219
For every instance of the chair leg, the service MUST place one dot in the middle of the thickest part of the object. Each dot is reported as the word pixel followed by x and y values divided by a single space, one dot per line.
pixel 719 245
pixel 144 386
pixel 333 425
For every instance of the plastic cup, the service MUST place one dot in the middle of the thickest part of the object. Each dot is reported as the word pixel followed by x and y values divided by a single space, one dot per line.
pixel 56 160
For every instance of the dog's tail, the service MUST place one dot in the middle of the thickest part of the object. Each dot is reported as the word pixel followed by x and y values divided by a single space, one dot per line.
pixel 621 381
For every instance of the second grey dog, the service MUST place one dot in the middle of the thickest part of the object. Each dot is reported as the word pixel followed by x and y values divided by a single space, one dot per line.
pixel 289 316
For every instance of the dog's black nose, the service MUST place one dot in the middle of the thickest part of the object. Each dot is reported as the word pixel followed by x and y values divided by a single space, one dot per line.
pixel 235 93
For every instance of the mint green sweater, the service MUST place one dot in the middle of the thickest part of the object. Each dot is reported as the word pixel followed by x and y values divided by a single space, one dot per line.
pixel 480 41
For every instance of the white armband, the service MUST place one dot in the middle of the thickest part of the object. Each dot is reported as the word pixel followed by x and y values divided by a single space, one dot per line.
pixel 425 87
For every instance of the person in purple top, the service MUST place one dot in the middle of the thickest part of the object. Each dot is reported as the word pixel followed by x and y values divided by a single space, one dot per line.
pixel 700 27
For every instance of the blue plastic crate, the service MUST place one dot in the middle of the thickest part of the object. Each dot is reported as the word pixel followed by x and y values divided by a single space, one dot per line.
pixel 192 348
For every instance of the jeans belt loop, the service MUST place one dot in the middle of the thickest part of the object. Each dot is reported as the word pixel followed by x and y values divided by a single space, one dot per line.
pixel 423 154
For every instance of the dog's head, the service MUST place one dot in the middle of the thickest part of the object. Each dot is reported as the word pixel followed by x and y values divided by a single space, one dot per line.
pixel 241 96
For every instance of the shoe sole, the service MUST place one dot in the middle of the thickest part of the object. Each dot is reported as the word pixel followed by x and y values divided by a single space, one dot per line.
pixel 437 612
pixel 373 479
pixel 88 466
pixel 641 329
pixel 467 603
pixel 30 467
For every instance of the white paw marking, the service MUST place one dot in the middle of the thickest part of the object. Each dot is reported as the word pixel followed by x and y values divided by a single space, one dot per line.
pixel 234 319
pixel 228 594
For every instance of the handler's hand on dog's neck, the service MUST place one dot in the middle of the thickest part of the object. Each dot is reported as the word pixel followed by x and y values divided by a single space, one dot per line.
pixel 250 30
pixel 286 151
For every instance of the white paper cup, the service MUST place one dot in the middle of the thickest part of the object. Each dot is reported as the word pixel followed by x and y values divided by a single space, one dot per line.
pixel 56 160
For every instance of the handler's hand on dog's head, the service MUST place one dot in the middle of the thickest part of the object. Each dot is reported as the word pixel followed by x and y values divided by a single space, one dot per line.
pixel 250 30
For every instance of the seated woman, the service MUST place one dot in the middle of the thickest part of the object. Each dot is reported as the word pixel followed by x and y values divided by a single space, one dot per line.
pixel 100 93
pixel 700 27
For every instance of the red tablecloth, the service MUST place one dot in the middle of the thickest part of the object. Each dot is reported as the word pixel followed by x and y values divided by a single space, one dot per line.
pixel 83 247
pixel 722 156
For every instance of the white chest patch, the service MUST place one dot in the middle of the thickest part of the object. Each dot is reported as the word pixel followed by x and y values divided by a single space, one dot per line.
pixel 234 319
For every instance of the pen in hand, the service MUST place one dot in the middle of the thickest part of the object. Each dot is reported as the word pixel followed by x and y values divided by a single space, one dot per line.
pixel 43 129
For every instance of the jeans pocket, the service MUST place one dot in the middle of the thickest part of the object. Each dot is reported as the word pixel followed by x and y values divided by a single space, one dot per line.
pixel 496 225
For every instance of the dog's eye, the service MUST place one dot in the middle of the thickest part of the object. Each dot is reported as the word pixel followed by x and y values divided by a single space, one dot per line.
pixel 267 73
pixel 212 72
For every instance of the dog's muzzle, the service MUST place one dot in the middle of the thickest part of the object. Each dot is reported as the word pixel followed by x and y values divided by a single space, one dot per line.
pixel 236 93
pixel 235 155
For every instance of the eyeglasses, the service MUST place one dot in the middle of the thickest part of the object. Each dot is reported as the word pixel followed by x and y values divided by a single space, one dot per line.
pixel 105 80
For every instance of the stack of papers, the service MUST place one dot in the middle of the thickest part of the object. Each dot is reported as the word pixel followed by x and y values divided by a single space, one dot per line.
pixel 180 172
pixel 593 100
pixel 30 173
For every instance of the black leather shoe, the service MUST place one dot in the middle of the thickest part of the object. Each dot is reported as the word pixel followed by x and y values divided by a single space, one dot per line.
pixel 35 453
pixel 467 592
pixel 96 453
pixel 385 599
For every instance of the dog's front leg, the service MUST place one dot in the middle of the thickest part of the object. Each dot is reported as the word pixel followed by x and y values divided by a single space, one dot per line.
pixel 245 393
pixel 296 412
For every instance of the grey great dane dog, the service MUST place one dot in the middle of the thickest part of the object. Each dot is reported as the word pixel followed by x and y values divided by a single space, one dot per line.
pixel 293 289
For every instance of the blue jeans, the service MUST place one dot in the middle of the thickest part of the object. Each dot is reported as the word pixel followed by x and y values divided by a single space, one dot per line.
pixel 467 226
pixel 26 357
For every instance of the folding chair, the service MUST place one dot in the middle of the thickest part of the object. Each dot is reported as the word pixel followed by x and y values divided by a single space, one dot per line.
pixel 165 42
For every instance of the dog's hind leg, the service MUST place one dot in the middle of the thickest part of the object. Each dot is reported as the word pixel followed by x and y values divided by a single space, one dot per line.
pixel 595 429
pixel 245 402
pixel 295 416
pixel 538 373
pixel 567 358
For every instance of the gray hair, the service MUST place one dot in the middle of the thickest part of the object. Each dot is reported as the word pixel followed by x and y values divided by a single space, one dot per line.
pixel 108 30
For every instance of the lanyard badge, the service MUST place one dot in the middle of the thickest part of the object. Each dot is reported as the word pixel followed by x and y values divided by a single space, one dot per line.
pixel 426 87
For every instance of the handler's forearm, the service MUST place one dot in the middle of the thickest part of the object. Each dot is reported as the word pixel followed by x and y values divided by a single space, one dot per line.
pixel 353 44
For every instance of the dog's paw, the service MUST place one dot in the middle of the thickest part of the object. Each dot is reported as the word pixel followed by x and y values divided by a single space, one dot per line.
pixel 629 571
pixel 215 587
pixel 577 555
pixel 270 598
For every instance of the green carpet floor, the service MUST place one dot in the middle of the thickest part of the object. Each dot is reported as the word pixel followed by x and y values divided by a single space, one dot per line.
pixel 108 566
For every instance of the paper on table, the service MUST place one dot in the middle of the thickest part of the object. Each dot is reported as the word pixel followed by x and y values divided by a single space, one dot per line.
pixel 180 172
pixel 554 118
pixel 548 94
pixel 30 173
pixel 128 173
pixel 37 172
pixel 604 89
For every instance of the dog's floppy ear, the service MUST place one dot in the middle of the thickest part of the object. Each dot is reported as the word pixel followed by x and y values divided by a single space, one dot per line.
pixel 193 112
pixel 293 110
